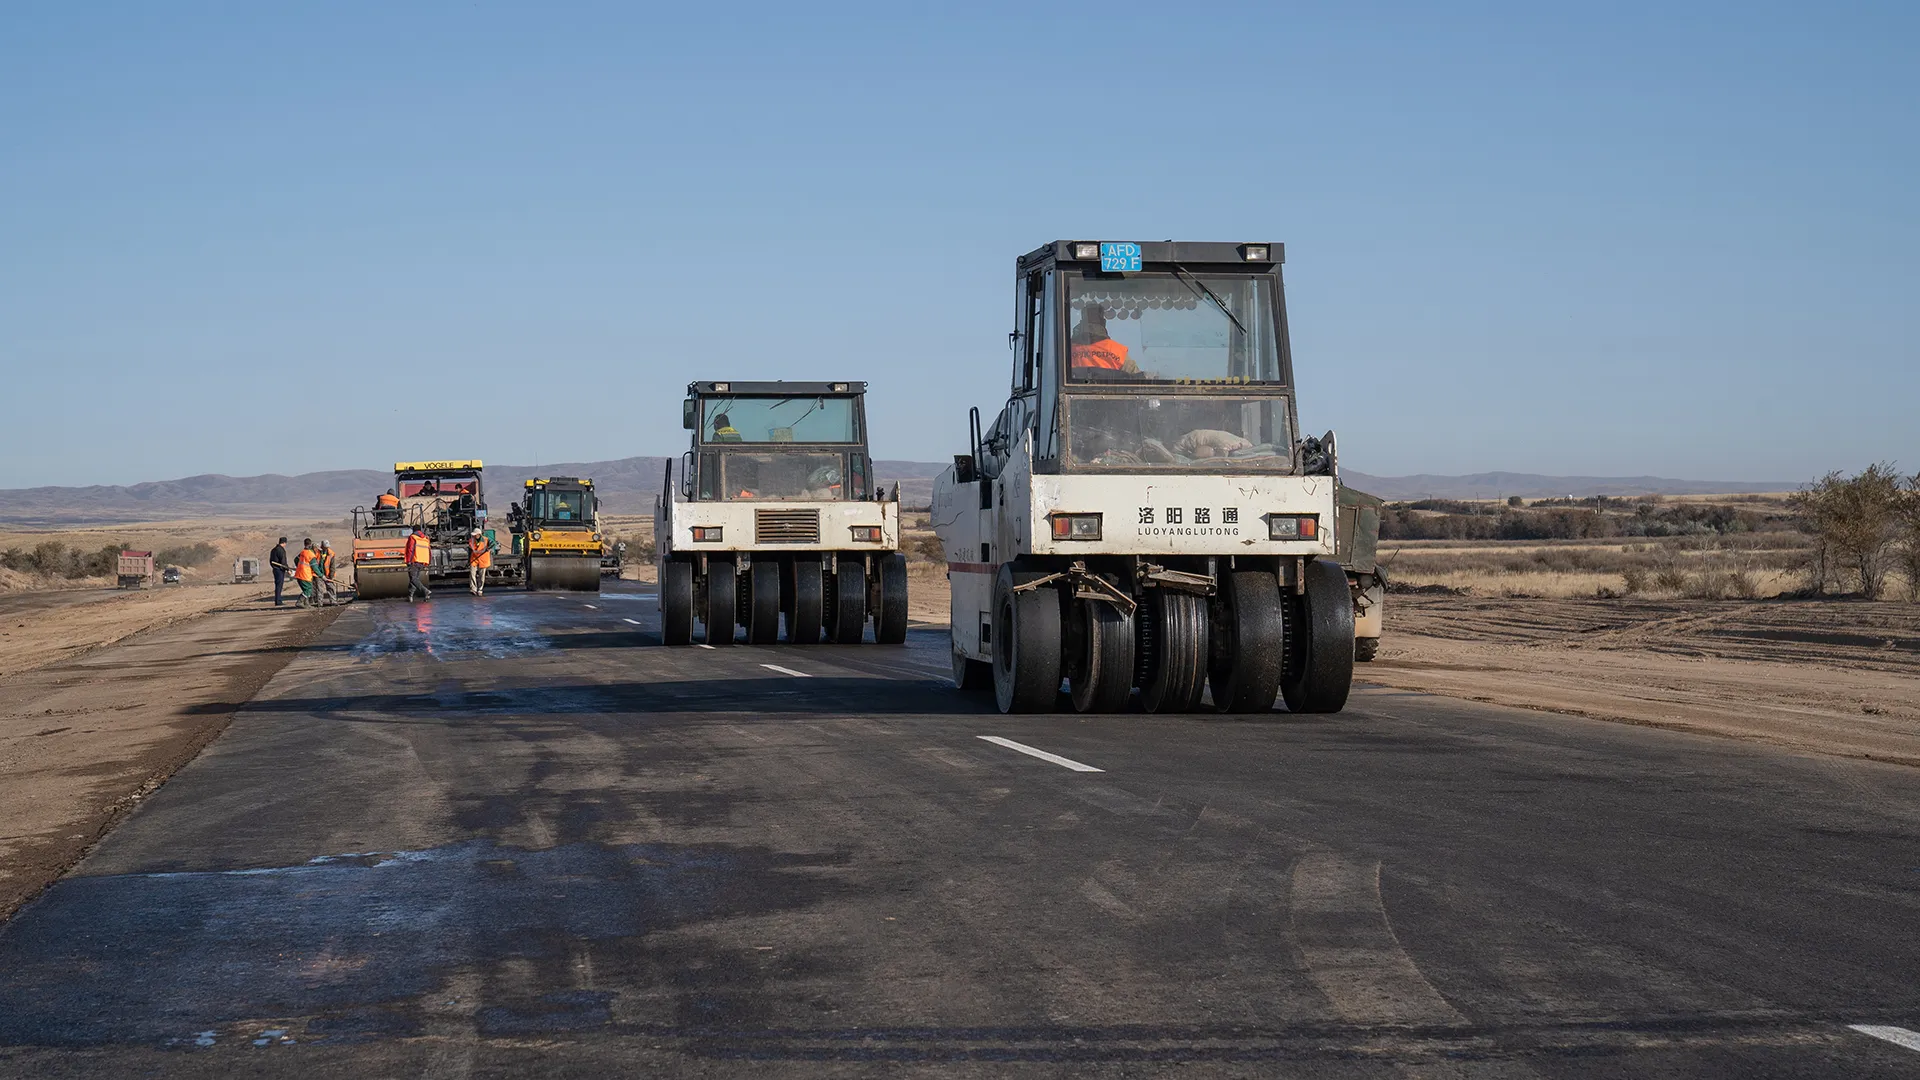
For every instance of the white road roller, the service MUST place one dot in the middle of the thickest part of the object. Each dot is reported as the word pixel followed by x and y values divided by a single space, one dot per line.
pixel 777 517
pixel 1143 513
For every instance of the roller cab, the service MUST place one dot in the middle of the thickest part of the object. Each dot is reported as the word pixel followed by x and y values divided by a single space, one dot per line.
pixel 557 534
pixel 1142 520
pixel 774 524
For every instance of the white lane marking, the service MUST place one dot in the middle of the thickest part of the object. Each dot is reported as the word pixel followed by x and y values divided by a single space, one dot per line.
pixel 787 671
pixel 635 622
pixel 1898 1036
pixel 704 645
pixel 1067 763
pixel 589 607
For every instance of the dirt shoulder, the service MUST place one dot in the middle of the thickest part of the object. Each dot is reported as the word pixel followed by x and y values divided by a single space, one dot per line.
pixel 83 739
pixel 48 626
pixel 1830 677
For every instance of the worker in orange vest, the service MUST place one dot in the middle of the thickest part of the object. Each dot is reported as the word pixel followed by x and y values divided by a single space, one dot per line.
pixel 303 573
pixel 386 507
pixel 419 554
pixel 323 574
pixel 479 559
pixel 1095 351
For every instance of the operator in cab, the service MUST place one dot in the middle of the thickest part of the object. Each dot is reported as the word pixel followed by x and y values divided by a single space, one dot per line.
pixel 386 508
pixel 723 429
pixel 1094 350
pixel 561 511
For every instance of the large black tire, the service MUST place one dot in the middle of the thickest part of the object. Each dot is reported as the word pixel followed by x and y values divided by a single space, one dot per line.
pixel 722 601
pixel 1320 642
pixel 676 602
pixel 848 622
pixel 1026 644
pixel 763 602
pixel 1098 656
pixel 971 674
pixel 803 613
pixel 1176 675
pixel 1249 643
pixel 1365 649
pixel 890 621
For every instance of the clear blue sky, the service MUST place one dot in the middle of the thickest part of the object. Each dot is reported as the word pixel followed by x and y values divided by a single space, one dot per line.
pixel 1609 239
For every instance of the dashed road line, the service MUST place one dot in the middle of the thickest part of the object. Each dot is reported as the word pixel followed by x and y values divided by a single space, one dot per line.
pixel 787 671
pixel 589 607
pixel 1898 1036
pixel 635 622
pixel 704 645
pixel 1066 763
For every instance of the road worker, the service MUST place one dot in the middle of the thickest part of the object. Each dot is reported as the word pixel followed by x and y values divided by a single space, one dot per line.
pixel 479 560
pixel 323 573
pixel 277 558
pixel 419 555
pixel 386 508
pixel 1094 351
pixel 303 573
pixel 723 429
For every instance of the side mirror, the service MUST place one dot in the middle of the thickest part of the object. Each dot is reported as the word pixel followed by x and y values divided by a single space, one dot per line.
pixel 687 414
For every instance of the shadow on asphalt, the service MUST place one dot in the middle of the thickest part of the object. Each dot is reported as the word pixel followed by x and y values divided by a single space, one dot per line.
pixel 821 696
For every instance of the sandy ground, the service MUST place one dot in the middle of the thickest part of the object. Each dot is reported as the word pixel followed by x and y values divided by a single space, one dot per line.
pixel 40 628
pixel 85 737
pixel 1832 677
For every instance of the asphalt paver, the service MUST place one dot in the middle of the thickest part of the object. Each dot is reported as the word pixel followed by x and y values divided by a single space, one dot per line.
pixel 517 836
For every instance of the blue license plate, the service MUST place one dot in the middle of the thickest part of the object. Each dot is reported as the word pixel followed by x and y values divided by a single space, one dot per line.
pixel 1119 258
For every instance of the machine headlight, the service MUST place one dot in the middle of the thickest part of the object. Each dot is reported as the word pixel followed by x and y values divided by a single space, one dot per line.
pixel 1076 526
pixel 596 538
pixel 721 388
pixel 1255 252
pixel 839 388
pixel 706 533
pixel 1086 250
pixel 536 535
pixel 1293 526
pixel 866 534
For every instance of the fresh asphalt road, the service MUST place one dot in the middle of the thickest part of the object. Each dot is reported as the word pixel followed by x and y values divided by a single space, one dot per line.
pixel 517 836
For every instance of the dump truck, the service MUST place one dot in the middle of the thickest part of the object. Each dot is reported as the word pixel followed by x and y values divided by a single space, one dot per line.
pixel 134 569
pixel 1143 513
pixel 444 497
pixel 556 528
pixel 776 517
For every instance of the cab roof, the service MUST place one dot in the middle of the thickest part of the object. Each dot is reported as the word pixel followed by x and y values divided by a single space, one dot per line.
pixel 1167 252
pixel 470 465
pixel 775 389
pixel 560 481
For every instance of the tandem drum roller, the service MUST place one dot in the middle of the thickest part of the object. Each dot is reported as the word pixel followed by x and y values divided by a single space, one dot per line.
pixel 383 583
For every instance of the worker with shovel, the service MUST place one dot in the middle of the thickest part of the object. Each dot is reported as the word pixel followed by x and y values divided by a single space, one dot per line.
pixel 479 559
pixel 419 555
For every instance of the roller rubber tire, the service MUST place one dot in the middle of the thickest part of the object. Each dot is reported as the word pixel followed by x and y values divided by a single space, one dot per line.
pixel 763 602
pixel 849 600
pixel 803 615
pixel 1178 676
pixel 1100 661
pixel 723 580
pixel 1249 639
pixel 890 621
pixel 1365 649
pixel 676 602
pixel 1026 645
pixel 971 674
pixel 1320 642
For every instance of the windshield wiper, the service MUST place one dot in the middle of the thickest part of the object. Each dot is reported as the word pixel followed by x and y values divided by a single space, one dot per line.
pixel 1191 282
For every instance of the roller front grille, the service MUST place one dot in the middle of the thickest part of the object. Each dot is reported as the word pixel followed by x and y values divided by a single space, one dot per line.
pixel 786 526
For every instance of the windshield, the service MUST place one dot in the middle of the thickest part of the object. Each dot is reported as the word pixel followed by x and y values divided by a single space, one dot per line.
pixel 782 476
pixel 1166 328
pixel 778 420
pixel 1177 432
pixel 552 505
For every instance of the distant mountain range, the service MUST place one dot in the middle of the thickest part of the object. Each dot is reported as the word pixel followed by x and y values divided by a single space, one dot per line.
pixel 628 485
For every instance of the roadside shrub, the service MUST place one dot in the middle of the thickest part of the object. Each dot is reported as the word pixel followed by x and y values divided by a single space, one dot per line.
pixel 1671 579
pixel 1633 579
pixel 192 555
pixel 1706 585
pixel 1743 583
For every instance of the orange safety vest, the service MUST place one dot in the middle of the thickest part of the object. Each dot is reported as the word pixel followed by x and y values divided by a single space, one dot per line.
pixel 303 566
pixel 480 553
pixel 387 501
pixel 419 549
pixel 325 561
pixel 1105 353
